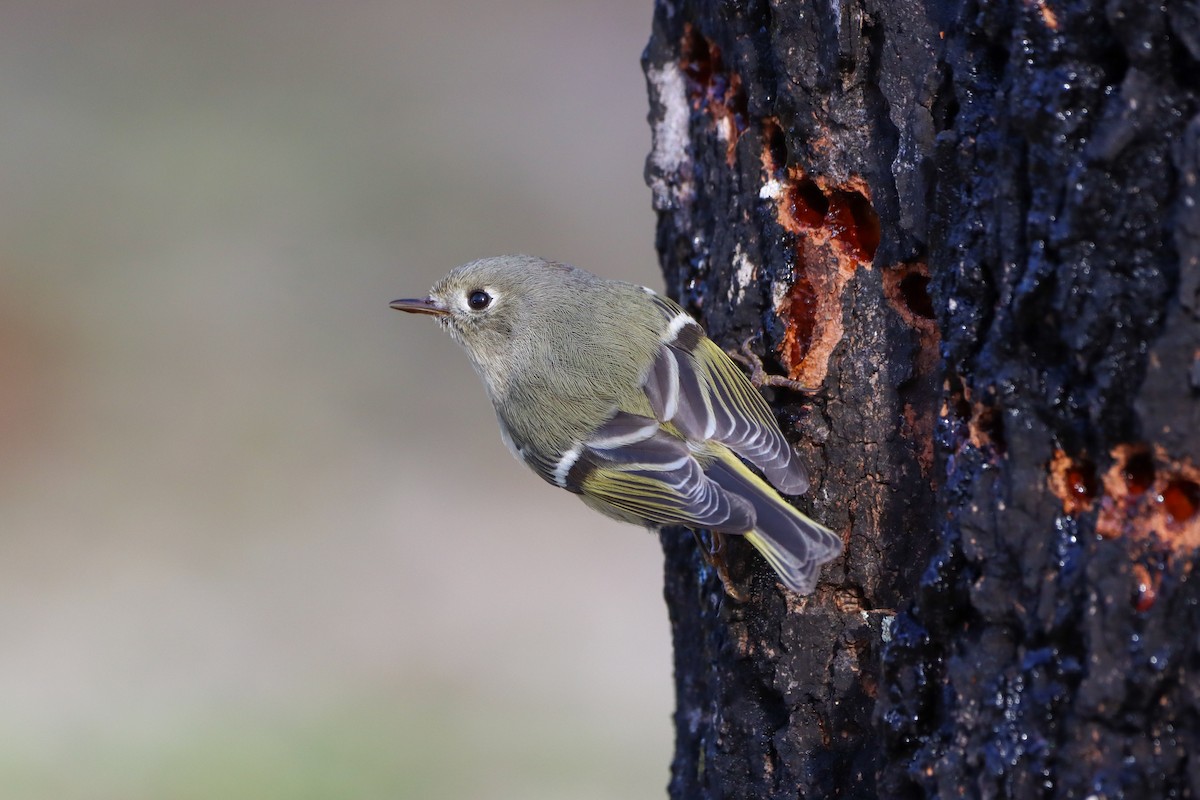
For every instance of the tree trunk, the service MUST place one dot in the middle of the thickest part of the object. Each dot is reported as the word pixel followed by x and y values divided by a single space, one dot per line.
pixel 975 227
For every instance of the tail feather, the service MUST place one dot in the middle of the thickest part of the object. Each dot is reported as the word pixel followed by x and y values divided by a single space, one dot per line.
pixel 794 545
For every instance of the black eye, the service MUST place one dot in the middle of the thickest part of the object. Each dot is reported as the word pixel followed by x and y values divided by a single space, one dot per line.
pixel 479 300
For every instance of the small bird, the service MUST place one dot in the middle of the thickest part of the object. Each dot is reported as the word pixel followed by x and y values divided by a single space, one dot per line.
pixel 612 391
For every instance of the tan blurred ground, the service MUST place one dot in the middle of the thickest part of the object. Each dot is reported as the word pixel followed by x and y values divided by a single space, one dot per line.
pixel 258 535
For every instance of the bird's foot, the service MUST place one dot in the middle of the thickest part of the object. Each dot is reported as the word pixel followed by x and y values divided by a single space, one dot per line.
pixel 746 356
pixel 715 556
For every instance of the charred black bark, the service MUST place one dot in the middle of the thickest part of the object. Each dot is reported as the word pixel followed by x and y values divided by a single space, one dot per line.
pixel 975 227
pixel 1049 633
pixel 775 172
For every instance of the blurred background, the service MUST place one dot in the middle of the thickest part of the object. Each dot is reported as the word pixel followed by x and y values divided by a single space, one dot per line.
pixel 258 535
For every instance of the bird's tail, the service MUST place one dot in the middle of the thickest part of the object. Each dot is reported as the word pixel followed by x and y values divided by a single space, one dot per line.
pixel 794 545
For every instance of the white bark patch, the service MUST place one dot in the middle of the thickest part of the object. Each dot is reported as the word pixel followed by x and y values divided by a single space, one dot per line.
pixel 669 154
pixel 744 272
pixel 725 130
pixel 771 190
pixel 779 293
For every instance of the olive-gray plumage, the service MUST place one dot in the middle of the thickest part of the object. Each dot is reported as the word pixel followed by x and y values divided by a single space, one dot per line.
pixel 551 332
pixel 613 392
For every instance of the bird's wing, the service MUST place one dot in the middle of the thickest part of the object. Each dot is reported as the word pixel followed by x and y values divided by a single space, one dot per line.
pixel 644 472
pixel 698 389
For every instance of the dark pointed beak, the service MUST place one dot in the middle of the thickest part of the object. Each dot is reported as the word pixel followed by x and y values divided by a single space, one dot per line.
pixel 416 305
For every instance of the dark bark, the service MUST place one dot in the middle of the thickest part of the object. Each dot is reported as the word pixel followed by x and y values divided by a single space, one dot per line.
pixel 976 226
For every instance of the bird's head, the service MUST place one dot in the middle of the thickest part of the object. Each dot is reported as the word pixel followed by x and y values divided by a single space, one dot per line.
pixel 486 304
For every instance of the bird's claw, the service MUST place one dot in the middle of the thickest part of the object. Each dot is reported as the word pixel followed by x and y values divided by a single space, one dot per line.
pixel 746 356
pixel 715 556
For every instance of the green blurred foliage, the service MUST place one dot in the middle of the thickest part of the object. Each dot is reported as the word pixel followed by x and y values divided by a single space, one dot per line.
pixel 258 535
